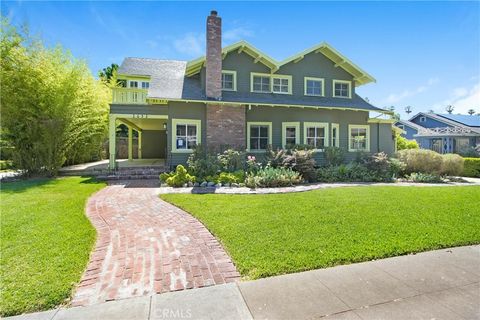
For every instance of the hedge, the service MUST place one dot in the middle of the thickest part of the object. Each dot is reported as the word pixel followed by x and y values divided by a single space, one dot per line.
pixel 471 167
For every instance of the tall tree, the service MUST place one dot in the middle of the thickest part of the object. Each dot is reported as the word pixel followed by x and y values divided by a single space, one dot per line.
pixel 450 108
pixel 53 110
pixel 471 112
pixel 408 109
pixel 106 74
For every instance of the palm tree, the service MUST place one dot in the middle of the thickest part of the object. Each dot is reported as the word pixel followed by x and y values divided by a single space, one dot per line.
pixel 471 112
pixel 450 108
pixel 408 109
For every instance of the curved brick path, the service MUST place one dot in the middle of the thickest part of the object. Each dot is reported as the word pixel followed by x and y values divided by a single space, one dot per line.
pixel 146 246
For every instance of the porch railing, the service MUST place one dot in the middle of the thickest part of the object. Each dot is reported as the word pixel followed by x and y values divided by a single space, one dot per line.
pixel 447 131
pixel 129 95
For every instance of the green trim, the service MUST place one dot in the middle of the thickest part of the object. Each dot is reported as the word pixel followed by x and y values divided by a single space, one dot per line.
pixel 305 79
pixel 358 126
pixel 173 130
pixel 271 77
pixel 373 120
pixel 324 125
pixel 123 76
pixel 249 124
pixel 337 140
pixel 286 125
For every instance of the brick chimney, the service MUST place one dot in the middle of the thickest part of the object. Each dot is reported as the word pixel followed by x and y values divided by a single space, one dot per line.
pixel 213 85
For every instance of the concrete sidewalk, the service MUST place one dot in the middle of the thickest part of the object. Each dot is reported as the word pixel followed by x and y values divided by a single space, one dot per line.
pixel 442 284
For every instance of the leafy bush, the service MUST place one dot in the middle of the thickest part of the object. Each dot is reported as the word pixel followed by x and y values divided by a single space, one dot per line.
pixel 275 158
pixel 6 164
pixel 227 177
pixel 252 164
pixel 421 160
pixel 334 156
pixel 424 177
pixel 470 152
pixel 231 160
pixel 471 167
pixel 272 177
pixel 302 162
pixel 452 165
pixel 202 163
pixel 404 143
pixel 53 110
pixel 178 178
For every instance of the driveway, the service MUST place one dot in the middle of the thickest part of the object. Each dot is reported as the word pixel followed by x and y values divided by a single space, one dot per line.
pixel 146 246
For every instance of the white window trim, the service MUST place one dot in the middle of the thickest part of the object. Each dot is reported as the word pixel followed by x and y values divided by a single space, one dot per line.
pixel 349 88
pixel 271 76
pixel 249 124
pixel 175 122
pixel 307 125
pixel 305 79
pixel 286 125
pixel 401 126
pixel 234 73
pixel 358 126
pixel 423 119
pixel 337 141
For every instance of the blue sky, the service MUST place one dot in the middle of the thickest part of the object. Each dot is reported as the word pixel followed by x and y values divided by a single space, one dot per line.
pixel 423 54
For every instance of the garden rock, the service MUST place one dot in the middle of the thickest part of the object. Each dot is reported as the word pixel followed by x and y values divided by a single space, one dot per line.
pixel 211 184
pixel 203 184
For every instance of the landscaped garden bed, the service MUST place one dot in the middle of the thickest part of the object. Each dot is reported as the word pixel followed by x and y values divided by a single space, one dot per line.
pixel 273 234
pixel 46 241
pixel 295 166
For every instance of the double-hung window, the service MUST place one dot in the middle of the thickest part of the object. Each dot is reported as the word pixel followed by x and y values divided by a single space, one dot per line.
pixel 229 80
pixel 290 134
pixel 260 83
pixel 316 135
pixel 145 85
pixel 358 138
pixel 186 134
pixel 259 135
pixel 335 135
pixel 281 84
pixel 313 86
pixel 133 84
pixel 342 89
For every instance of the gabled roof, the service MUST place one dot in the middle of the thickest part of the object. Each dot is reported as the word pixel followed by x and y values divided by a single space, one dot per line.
pixel 360 76
pixel 468 120
pixel 446 121
pixel 196 65
pixel 410 124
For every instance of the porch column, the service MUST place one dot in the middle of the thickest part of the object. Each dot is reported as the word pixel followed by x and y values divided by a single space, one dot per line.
pixel 112 128
pixel 139 144
pixel 130 143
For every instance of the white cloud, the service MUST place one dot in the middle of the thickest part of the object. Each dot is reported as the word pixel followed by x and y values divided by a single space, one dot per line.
pixel 459 92
pixel 238 33
pixel 397 97
pixel 191 44
pixel 462 99
pixel 152 43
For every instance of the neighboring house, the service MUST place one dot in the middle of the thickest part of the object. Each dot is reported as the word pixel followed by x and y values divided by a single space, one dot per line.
pixel 240 97
pixel 443 133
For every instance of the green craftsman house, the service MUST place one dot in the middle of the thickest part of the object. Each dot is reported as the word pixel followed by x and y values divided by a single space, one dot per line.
pixel 240 97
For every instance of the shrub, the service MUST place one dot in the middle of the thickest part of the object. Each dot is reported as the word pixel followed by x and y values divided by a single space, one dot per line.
pixel 202 163
pixel 252 164
pixel 452 165
pixel 470 152
pixel 231 160
pixel 272 177
pixel 421 160
pixel 424 177
pixel 404 143
pixel 302 162
pixel 471 167
pixel 274 158
pixel 178 178
pixel 6 164
pixel 334 156
pixel 352 172
pixel 227 177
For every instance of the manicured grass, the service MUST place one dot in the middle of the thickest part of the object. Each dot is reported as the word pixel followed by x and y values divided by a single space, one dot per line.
pixel 45 241
pixel 274 234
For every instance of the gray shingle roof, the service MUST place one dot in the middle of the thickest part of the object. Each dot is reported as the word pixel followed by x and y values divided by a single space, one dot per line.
pixel 168 81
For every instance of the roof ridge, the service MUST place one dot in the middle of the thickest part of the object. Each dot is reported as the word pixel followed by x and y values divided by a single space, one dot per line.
pixel 155 59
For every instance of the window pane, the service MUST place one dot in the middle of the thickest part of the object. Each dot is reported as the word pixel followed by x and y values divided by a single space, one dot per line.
pixel 192 142
pixel 192 130
pixel 276 88
pixel 290 132
pixel 276 81
pixel 265 88
pixel 311 132
pixel 320 143
pixel 254 131
pixel 263 143
pixel 264 131
pixel 181 143
pixel 257 87
pixel 181 130
pixel 254 143
pixel 311 141
pixel 320 132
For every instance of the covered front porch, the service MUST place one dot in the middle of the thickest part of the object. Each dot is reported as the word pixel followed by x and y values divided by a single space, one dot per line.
pixel 151 135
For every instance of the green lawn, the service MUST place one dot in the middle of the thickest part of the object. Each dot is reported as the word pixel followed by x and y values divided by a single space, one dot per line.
pixel 45 241
pixel 274 234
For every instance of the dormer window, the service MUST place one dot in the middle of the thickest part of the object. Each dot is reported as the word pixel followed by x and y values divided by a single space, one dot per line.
pixel 229 80
pixel 281 84
pixel 342 89
pixel 314 86
pixel 133 84
pixel 145 85
pixel 260 83
pixel 267 83
pixel 423 119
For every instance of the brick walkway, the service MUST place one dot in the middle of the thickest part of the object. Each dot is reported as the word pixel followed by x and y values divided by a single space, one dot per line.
pixel 146 246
